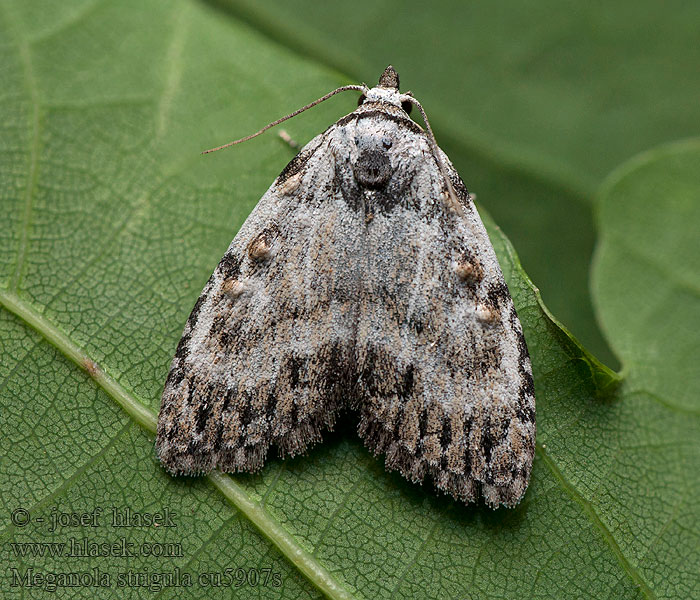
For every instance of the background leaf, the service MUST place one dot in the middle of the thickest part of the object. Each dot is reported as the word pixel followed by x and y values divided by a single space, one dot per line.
pixel 646 283
pixel 112 224
pixel 646 276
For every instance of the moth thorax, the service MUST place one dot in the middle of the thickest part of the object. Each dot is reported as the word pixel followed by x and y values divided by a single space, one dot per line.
pixel 372 169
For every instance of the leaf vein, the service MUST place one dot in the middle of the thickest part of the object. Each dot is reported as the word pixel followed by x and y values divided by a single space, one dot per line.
pixel 337 510
pixel 66 484
pixel 597 523
pixel 173 62
pixel 419 551
pixel 32 174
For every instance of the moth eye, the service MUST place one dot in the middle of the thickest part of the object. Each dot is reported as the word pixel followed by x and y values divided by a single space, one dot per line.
pixel 386 142
pixel 361 99
pixel 407 106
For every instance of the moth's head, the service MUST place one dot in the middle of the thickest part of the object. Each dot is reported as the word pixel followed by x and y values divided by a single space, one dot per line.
pixel 387 90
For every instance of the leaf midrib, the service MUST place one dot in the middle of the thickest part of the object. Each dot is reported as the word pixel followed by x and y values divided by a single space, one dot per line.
pixel 255 512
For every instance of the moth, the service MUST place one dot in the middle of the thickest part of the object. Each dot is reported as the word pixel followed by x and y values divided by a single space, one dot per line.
pixel 365 280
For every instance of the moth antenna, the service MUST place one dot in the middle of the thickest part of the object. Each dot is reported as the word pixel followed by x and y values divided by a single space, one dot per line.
pixel 345 88
pixel 457 205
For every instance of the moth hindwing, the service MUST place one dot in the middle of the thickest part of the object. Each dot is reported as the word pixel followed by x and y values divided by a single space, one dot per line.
pixel 363 279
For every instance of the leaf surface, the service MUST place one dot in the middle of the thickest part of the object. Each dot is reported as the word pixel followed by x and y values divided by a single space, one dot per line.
pixel 113 223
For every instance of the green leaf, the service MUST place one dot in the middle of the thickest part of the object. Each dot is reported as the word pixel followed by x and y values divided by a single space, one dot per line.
pixel 112 224
pixel 646 276
pixel 646 285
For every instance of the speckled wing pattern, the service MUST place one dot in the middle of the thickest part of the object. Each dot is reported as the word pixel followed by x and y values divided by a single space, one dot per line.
pixel 355 283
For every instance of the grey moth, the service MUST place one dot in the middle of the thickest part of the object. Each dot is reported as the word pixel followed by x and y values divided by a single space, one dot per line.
pixel 363 280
